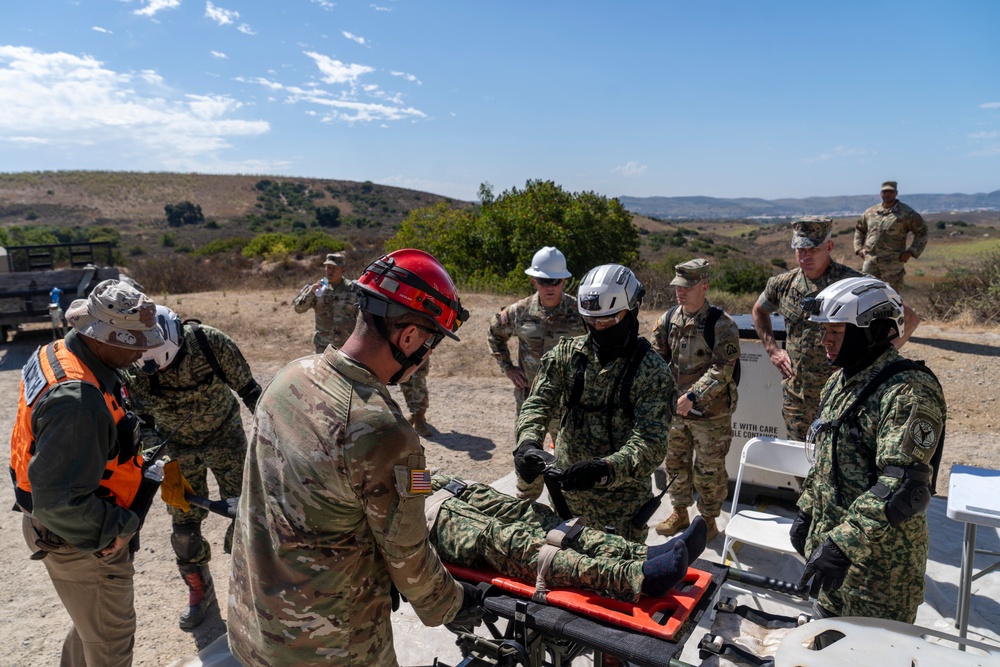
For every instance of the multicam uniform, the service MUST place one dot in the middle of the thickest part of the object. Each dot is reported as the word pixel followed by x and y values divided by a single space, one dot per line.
pixel 213 438
pixel 415 389
pixel 881 234
pixel 482 527
pixel 899 425
pixel 331 515
pixel 810 370
pixel 336 312
pixel 634 441
pixel 699 444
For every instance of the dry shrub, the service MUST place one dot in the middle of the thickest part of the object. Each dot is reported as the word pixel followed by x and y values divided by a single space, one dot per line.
pixel 971 293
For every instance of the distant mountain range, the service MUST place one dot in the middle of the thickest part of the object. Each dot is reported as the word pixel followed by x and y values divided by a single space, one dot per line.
pixel 711 207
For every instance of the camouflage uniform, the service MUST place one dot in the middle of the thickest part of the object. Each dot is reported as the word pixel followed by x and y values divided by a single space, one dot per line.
pixel 537 329
pixel 599 427
pixel 882 234
pixel 482 527
pixel 810 369
pixel 213 438
pixel 336 312
pixel 331 515
pixel 699 444
pixel 898 426
pixel 415 389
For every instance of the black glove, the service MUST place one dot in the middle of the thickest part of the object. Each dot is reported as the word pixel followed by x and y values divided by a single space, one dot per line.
pixel 471 611
pixel 585 475
pixel 827 567
pixel 799 530
pixel 528 461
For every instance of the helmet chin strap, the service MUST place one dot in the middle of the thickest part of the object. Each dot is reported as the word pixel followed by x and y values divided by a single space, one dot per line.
pixel 406 362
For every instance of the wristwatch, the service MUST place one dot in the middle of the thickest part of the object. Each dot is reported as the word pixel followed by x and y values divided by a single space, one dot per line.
pixel 691 396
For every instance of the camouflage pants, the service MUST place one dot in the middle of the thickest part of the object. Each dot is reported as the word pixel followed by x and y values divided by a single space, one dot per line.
pixel 890 272
pixel 483 527
pixel 800 413
pixel 697 455
pixel 224 457
pixel 415 389
pixel 337 338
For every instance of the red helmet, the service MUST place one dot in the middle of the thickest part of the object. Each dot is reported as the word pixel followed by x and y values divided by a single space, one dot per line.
pixel 411 280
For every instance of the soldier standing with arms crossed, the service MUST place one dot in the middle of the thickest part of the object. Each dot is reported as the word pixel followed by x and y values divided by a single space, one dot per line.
pixel 701 432
pixel 331 518
pixel 538 322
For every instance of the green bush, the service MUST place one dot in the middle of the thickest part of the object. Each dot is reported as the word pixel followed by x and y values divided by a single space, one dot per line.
pixel 278 246
pixel 779 262
pixel 740 275
pixel 219 246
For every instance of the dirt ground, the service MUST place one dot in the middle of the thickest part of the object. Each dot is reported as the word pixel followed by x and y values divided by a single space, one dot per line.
pixel 471 409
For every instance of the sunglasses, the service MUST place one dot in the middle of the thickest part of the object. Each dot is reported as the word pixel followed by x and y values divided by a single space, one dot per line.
pixel 549 282
pixel 605 321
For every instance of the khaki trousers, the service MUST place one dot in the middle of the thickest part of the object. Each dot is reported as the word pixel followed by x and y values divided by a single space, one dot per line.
pixel 97 594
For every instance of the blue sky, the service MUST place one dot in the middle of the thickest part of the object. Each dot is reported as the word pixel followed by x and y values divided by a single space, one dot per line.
pixel 725 99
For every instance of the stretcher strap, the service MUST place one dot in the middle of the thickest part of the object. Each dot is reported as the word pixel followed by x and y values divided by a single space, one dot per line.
pixel 555 540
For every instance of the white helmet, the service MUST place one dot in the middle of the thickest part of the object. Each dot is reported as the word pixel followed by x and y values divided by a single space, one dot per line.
pixel 548 263
pixel 857 301
pixel 161 357
pixel 609 289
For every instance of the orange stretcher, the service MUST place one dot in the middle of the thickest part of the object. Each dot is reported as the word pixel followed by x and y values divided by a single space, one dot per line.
pixel 661 617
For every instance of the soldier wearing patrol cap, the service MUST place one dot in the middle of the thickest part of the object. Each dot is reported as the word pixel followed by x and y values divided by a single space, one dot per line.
pixel 802 362
pixel 880 237
pixel 702 345
pixel 335 302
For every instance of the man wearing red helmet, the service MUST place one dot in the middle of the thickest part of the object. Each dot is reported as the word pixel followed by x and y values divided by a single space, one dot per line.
pixel 331 517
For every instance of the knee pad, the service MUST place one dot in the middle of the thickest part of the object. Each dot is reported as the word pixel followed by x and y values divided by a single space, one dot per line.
pixel 186 541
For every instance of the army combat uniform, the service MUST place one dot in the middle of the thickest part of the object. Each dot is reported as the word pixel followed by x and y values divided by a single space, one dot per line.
pixel 336 312
pixel 537 330
pixel 631 437
pixel 213 438
pixel 331 516
pixel 899 424
pixel 481 527
pixel 415 390
pixel 699 443
pixel 881 235
pixel 810 370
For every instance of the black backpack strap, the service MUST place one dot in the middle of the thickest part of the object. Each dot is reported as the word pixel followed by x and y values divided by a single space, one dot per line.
pixel 714 313
pixel 581 367
pixel 666 333
pixel 202 338
pixel 628 378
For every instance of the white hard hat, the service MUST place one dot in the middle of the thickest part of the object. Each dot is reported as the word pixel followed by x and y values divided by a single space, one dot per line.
pixel 548 263
pixel 857 301
pixel 608 289
pixel 161 357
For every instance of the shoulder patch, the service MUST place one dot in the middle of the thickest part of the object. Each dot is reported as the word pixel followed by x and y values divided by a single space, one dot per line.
pixel 922 433
pixel 33 378
pixel 731 350
pixel 420 481
pixel 503 316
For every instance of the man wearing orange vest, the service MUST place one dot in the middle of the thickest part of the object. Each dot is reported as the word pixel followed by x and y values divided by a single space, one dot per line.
pixel 77 470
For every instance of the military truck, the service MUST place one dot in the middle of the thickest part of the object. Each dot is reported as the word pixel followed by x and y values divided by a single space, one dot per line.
pixel 38 282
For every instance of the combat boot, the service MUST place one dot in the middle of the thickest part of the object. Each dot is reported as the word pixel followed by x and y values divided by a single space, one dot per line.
pixel 713 530
pixel 674 523
pixel 201 595
pixel 420 425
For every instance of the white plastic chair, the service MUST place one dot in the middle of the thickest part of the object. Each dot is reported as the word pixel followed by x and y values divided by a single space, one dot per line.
pixel 755 527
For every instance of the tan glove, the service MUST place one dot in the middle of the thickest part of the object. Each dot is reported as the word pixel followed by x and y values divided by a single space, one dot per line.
pixel 174 487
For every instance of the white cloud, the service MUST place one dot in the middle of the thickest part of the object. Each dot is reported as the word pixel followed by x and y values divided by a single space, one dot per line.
pixel 325 4
pixel 267 83
pixel 408 77
pixel 334 71
pixel 220 15
pixel 97 28
pixel 67 101
pixel 990 105
pixel 993 134
pixel 246 29
pixel 154 6
pixel 219 54
pixel 630 169
pixel 839 153
pixel 380 9
pixel 353 37
pixel 339 109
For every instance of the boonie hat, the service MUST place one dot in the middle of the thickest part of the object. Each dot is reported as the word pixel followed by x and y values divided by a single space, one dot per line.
pixel 116 314
pixel 810 231
pixel 889 185
pixel 335 259
pixel 689 274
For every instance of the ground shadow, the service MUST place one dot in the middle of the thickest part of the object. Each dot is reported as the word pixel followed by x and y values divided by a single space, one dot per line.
pixel 478 449
pixel 14 355
pixel 958 346
pixel 213 627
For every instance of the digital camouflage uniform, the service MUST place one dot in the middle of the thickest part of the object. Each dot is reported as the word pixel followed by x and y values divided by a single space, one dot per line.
pixel 810 370
pixel 601 428
pixel 881 234
pixel 336 312
pixel 331 514
pixel 899 425
pixel 699 444
pixel 482 527
pixel 537 330
pixel 213 438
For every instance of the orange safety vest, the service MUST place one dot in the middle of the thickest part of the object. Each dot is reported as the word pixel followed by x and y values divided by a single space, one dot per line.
pixel 49 366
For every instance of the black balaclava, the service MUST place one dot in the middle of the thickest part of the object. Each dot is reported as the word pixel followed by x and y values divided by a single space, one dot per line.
pixel 863 346
pixel 613 342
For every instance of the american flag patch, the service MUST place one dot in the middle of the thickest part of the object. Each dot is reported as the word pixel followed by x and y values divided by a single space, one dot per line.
pixel 420 481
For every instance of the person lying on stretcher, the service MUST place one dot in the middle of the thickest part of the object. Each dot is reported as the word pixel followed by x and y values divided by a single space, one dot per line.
pixel 478 526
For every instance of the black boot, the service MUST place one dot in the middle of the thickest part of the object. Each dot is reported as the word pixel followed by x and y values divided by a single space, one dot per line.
pixel 201 594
